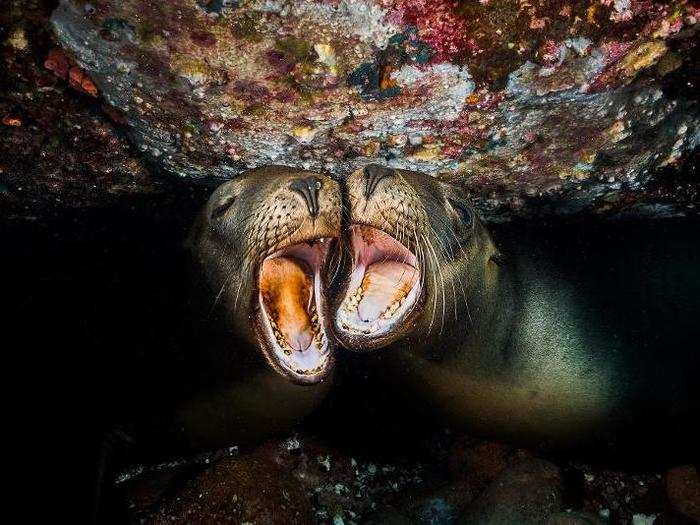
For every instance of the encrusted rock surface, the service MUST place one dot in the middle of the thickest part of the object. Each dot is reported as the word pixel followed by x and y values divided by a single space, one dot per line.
pixel 528 492
pixel 442 478
pixel 683 487
pixel 574 104
pixel 58 150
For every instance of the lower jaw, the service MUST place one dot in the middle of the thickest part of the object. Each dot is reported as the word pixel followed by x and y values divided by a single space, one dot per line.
pixel 306 367
pixel 305 377
pixel 357 340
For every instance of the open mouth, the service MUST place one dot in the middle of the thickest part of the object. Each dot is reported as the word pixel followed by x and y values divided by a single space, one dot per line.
pixel 291 308
pixel 384 284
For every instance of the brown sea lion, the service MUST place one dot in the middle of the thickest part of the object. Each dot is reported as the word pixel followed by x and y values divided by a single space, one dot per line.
pixel 259 355
pixel 542 345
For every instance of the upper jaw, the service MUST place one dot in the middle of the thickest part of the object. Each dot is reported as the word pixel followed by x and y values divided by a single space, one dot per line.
pixel 383 291
pixel 290 307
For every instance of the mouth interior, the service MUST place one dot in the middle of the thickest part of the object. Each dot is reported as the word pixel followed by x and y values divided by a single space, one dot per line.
pixel 384 284
pixel 291 306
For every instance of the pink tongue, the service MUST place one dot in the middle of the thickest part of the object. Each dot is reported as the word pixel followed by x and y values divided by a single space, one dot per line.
pixel 300 340
pixel 384 283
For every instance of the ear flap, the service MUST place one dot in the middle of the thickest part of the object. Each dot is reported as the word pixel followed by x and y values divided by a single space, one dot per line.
pixel 498 258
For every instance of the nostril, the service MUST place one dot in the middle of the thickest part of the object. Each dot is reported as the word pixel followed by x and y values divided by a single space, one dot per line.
pixel 374 174
pixel 308 188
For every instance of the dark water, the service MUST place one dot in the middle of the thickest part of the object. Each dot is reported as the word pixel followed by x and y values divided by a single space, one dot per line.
pixel 93 322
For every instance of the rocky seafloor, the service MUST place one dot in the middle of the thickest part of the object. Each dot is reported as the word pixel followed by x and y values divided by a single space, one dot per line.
pixel 444 478
pixel 61 148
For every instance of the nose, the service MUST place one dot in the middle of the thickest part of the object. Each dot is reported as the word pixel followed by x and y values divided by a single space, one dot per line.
pixel 374 174
pixel 308 188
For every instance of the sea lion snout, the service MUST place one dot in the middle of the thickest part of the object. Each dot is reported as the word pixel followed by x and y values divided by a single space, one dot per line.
pixel 418 253
pixel 385 283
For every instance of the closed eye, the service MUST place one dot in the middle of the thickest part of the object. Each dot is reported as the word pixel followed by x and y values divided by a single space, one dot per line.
pixel 465 214
pixel 222 206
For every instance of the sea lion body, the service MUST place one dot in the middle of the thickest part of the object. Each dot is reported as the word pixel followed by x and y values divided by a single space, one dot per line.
pixel 571 340
pixel 585 352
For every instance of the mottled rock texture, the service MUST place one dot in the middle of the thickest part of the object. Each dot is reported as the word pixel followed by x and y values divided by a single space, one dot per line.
pixel 306 479
pixel 58 150
pixel 527 493
pixel 683 488
pixel 581 105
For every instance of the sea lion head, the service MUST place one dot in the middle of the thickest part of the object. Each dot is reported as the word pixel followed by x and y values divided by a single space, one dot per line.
pixel 262 244
pixel 420 258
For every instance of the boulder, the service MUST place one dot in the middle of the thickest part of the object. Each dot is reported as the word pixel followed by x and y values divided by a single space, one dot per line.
pixel 558 107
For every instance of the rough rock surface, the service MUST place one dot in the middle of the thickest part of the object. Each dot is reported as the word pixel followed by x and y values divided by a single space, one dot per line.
pixel 576 104
pixel 683 486
pixel 240 489
pixel 574 518
pixel 320 481
pixel 58 150
pixel 529 492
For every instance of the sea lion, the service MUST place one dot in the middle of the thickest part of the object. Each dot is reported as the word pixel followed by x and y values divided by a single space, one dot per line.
pixel 524 345
pixel 257 353
pixel 409 263
pixel 216 342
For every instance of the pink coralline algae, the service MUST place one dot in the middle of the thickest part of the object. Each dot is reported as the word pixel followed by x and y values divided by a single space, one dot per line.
pixel 203 39
pixel 550 52
pixel 613 53
pixel 439 25
pixel 335 84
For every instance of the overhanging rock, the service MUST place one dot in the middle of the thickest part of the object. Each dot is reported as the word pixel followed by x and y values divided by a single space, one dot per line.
pixel 576 103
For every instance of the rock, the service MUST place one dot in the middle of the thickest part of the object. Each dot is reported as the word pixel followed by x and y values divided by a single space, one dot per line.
pixel 528 492
pixel 683 490
pixel 387 516
pixel 643 519
pixel 620 494
pixel 436 511
pixel 574 518
pixel 57 152
pixel 556 111
pixel 479 461
pixel 440 505
pixel 250 488
pixel 289 480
